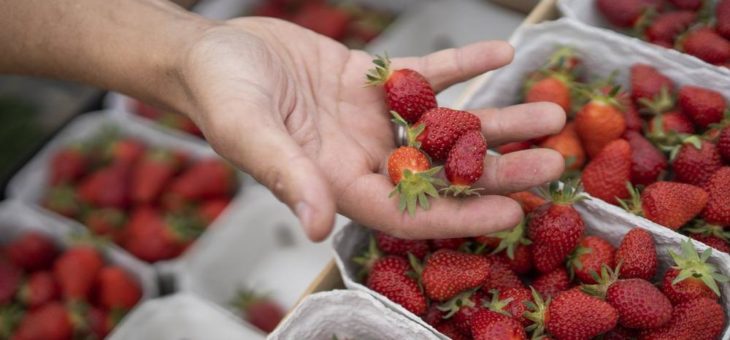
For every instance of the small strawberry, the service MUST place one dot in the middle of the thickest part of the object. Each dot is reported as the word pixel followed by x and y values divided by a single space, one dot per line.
pixel 637 255
pixel 68 165
pixel 703 106
pixel 407 92
pixel 695 161
pixel 647 83
pixel 447 243
pixel 39 289
pixel 722 18
pixel 699 318
pixel 411 172
pixel 555 228
pixel 62 200
pixel 438 129
pixel 692 276
pixel 10 279
pixel 717 243
pixel 434 316
pixel 599 122
pixel 205 179
pixel 501 277
pixel 552 283
pixel 152 237
pixel 31 251
pixel 465 164
pixel 723 144
pixel 512 301
pixel 451 331
pixel 489 325
pixel 448 272
pixel 571 314
pixel 639 304
pixel 527 200
pixel 706 44
pixel 260 311
pixel 107 222
pixel 117 289
pixel 152 173
pixel 568 144
pixel 462 307
pixel 389 277
pixel 209 210
pixel 670 204
pixel 647 162
pixel 392 245
pixel 49 322
pixel 76 270
pixel 625 13
pixel 553 87
pixel 717 187
pixel 666 27
pixel 589 257
pixel 107 187
pixel 606 175
pixel 513 248
pixel 513 147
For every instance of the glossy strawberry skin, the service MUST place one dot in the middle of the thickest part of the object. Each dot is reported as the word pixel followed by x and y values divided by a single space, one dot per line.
pixel 516 307
pixel 707 45
pixel 146 236
pixel 117 289
pixel 31 251
pixel 443 127
pixel 722 17
pixel 712 241
pixel 674 121
pixel 568 144
pixel 552 283
pixel 501 277
pixel 401 247
pixel 406 158
pixel 647 82
pixel 647 162
pixel 595 253
pixel 639 304
pixel 672 204
pixel 599 123
pixel 723 143
pixel 624 13
pixel 447 273
pixel 39 289
pixel 553 89
pixel 462 318
pixel 699 318
pixel 717 187
pixel 695 166
pixel 107 187
pixel 685 290
pixel 409 94
pixel 465 163
pixel 575 315
pixel 606 175
pixel 489 325
pixel 665 28
pixel 637 255
pixel 702 105
pixel 555 230
pixel 389 277
pixel 50 322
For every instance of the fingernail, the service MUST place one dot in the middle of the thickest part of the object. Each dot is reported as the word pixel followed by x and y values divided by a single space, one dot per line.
pixel 304 214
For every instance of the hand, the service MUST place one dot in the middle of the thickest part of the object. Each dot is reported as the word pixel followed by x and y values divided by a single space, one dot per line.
pixel 289 107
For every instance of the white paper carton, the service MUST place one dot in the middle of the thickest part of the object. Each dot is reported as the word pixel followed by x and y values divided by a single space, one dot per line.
pixel 347 315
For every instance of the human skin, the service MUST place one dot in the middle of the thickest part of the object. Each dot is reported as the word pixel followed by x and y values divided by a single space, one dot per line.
pixel 282 103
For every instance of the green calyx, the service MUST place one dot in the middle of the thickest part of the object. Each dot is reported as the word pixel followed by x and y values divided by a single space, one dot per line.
pixel 461 191
pixel 664 140
pixel 246 297
pixel 633 203
pixel 694 265
pixel 703 228
pixel 661 103
pixel 674 148
pixel 566 193
pixel 457 302
pixel 184 226
pixel 10 316
pixel 497 305
pixel 368 258
pixel 559 58
pixel 574 262
pixel 380 73
pixel 510 239
pixel 603 281
pixel 537 310
pixel 415 188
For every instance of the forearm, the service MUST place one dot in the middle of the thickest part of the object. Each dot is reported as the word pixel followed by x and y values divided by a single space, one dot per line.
pixel 132 46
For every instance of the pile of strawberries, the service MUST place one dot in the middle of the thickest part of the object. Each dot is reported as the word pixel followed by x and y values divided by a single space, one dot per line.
pixel 435 135
pixel 348 22
pixel 169 119
pixel 546 278
pixel 47 293
pixel 660 150
pixel 697 27
pixel 151 201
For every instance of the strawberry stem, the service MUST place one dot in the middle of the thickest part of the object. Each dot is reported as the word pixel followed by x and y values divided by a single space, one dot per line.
pixel 695 265
pixel 380 73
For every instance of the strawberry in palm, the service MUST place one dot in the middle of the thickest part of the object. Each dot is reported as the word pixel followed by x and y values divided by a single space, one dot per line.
pixel 438 129
pixel 411 172
pixel 407 92
pixel 692 276
pixel 465 164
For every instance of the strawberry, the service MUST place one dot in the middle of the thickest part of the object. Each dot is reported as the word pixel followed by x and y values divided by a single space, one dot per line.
pixel 10 277
pixel 392 245
pixel 637 255
pixel 205 179
pixel 647 162
pixel 553 87
pixel 101 322
pixel 703 106
pixel 447 243
pixel 407 92
pixel 151 174
pixel 153 237
pixel 324 19
pixel 568 144
pixel 599 122
pixel 606 175
pixel 706 44
pixel 501 277
pixel 665 28
pixel 722 18
pixel 647 83
pixel 521 261
pixel 76 270
pixel 489 325
pixel 723 144
pixel 699 318
pixel 639 304
pixel 123 151
pixel 555 229
pixel 512 301
pixel 717 187
pixel 117 289
pixel 434 316
pixel 62 200
pixel 670 204
pixel 68 165
pixel 49 322
pixel 209 210
pixel 389 277
pixel 632 117
pixel 513 147
pixel 625 13
pixel 107 187
pixel 717 243
pixel 572 314
pixel 451 331
pixel 589 257
pixel 106 222
pixel 621 333
pixel 513 248
pixel 527 200
pixel 39 289
pixel 668 123
pixel 564 59
pixel 410 170
pixel 696 161
pixel 691 5
pixel 31 251
pixel 462 307
pixel 442 127
pixel 552 283
pixel 465 164
pixel 260 311
pixel 448 272
pixel 691 277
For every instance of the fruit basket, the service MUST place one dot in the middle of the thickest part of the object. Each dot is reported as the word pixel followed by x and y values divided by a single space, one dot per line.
pixel 27 230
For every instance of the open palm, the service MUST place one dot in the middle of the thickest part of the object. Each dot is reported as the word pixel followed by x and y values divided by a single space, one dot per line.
pixel 289 107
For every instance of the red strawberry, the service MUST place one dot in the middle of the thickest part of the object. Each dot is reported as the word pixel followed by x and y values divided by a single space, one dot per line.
pixel 151 174
pixel 465 164
pixel 670 204
pixel 50 322
pixel 68 165
pixel 450 330
pixel 10 277
pixel 447 243
pixel 639 304
pixel 555 229
pixel 706 44
pixel 606 175
pixel 38 290
pixel 637 255
pixel 572 314
pixel 448 272
pixel 392 245
pixel 407 92
pixel 462 307
pixel 512 301
pixel 513 147
pixel 702 105
pixel 31 251
pixel 513 248
pixel 324 19
pixel 723 144
pixel 568 144
pixel 599 122
pixel 717 187
pixel 552 283
pixel 205 179
pixel 410 170
pixel 117 289
pixel 209 210
pixel 553 87
pixel 501 277
pixel 665 28
pixel 621 333
pixel 106 188
pixel 691 277
pixel 101 322
pixel 489 325
pixel 521 262
pixel 124 151
pixel 700 319
pixel 62 200
pixel 625 13
pixel 434 316
pixel 564 59
pixel 260 311
pixel 634 122
pixel 691 5
pixel 668 123
pixel 696 161
pixel 647 83
pixel 389 276
pixel 76 270
pixel 647 162
pixel 106 222
pixel 591 255
pixel 151 237
pixel 715 242
pixel 722 18
pixel 527 200
pixel 442 127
